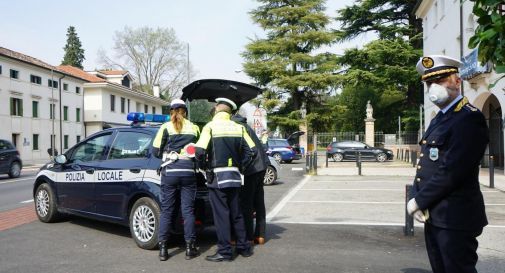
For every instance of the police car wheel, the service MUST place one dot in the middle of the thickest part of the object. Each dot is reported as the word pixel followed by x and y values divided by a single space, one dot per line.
pixel 381 157
pixel 337 157
pixel 144 217
pixel 15 170
pixel 270 176
pixel 45 204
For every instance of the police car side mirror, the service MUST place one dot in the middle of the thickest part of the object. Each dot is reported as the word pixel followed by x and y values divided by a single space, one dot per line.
pixel 61 159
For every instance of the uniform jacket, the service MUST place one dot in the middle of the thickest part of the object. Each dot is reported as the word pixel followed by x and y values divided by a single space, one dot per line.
pixel 260 160
pixel 226 149
pixel 168 139
pixel 446 182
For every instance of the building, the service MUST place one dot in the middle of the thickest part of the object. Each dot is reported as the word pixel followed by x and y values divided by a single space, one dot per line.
pixel 42 107
pixel 46 108
pixel 109 97
pixel 447 27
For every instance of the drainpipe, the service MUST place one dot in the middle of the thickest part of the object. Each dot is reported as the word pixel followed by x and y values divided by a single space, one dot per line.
pixel 61 122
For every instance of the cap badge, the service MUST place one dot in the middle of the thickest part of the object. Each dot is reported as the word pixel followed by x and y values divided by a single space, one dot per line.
pixel 427 62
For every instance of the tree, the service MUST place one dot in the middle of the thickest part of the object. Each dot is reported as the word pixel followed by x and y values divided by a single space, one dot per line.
pixel 152 56
pixel 288 62
pixel 385 66
pixel 489 35
pixel 74 53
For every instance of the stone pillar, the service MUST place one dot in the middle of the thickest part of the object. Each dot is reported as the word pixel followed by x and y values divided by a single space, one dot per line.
pixel 370 131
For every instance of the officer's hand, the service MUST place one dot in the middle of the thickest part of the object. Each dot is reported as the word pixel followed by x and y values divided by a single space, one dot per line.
pixel 158 171
pixel 412 206
pixel 419 216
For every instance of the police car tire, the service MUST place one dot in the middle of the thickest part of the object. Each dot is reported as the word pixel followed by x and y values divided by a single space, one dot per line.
pixel 270 176
pixel 45 204
pixel 148 204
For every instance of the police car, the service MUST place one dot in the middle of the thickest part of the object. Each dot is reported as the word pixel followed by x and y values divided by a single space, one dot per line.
pixel 112 176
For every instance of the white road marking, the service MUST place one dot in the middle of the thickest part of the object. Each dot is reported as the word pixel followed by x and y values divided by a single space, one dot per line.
pixel 16 180
pixel 286 199
pixel 297 169
pixel 345 223
pixel 362 181
pixel 26 201
pixel 402 190
pixel 349 202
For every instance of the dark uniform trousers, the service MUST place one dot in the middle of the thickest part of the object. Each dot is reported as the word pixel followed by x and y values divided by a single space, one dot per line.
pixel 226 212
pixel 451 251
pixel 168 195
pixel 252 199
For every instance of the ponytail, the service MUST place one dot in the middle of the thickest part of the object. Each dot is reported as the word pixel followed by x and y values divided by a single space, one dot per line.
pixel 177 118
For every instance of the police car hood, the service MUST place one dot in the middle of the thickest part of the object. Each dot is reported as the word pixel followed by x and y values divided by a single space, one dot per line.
pixel 210 89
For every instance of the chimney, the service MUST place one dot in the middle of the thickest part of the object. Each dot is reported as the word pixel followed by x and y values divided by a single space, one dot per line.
pixel 156 90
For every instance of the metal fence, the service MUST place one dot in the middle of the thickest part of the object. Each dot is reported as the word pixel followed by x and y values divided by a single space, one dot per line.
pixel 381 139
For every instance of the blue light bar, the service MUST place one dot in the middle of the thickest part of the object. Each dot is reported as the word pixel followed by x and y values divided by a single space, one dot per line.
pixel 141 117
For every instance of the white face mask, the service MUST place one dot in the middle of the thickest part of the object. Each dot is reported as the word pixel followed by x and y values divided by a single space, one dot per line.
pixel 438 94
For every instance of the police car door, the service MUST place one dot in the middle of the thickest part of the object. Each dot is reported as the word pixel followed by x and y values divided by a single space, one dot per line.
pixel 76 178
pixel 121 174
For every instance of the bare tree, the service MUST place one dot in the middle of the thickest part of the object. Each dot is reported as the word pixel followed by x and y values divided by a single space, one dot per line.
pixel 152 56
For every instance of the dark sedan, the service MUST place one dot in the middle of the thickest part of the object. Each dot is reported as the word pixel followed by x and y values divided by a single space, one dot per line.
pixel 339 151
pixel 10 162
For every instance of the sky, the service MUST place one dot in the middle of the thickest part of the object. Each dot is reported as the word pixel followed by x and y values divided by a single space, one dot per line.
pixel 216 31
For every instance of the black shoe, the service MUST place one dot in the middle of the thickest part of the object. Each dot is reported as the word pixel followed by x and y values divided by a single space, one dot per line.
pixel 163 251
pixel 245 252
pixel 191 250
pixel 218 258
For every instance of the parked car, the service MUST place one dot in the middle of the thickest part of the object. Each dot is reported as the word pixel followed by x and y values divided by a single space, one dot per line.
pixel 272 172
pixel 280 150
pixel 10 162
pixel 339 151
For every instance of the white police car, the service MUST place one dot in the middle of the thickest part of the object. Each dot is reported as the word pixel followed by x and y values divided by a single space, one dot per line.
pixel 111 176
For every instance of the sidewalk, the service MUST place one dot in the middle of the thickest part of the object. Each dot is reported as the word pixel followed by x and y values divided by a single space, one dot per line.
pixel 394 168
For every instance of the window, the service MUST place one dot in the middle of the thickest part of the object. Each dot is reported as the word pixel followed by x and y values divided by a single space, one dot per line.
pixel 146 108
pixel 154 110
pixel 90 150
pixel 112 103
pixel 65 112
pixel 14 74
pixel 78 114
pixel 130 145
pixel 122 105
pixel 35 142
pixel 65 142
pixel 16 107
pixel 65 86
pixel 51 83
pixel 35 79
pixel 52 110
pixel 128 106
pixel 77 139
pixel 35 109
pixel 77 90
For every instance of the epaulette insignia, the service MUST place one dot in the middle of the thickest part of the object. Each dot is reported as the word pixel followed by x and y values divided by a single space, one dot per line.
pixel 461 103
pixel 471 107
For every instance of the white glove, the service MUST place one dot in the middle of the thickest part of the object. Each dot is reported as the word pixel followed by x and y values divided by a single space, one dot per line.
pixel 419 216
pixel 412 206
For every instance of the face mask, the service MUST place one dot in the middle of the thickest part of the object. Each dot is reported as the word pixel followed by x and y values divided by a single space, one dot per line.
pixel 438 94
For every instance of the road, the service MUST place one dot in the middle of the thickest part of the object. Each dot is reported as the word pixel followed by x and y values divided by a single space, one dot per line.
pixel 315 224
pixel 17 192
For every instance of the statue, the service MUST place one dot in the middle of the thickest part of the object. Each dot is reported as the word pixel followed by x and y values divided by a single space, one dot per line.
pixel 369 110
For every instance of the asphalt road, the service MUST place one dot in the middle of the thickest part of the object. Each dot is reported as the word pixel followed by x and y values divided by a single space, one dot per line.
pixel 16 192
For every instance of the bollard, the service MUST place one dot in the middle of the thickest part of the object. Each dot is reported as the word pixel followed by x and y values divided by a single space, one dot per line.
pixel 414 158
pixel 491 171
pixel 408 230
pixel 359 163
pixel 326 160
pixel 307 163
pixel 401 154
pixel 315 163
pixel 407 156
pixel 397 153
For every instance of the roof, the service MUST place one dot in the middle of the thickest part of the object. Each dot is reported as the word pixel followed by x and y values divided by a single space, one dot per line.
pixel 25 58
pixel 79 73
pixel 113 72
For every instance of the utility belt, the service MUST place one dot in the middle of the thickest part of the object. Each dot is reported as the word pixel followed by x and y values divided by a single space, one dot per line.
pixel 171 157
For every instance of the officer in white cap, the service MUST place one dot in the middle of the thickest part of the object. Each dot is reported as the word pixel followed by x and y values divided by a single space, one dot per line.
pixel 225 150
pixel 446 196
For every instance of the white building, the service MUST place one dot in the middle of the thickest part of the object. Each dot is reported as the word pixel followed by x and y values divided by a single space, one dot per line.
pixel 109 97
pixel 447 27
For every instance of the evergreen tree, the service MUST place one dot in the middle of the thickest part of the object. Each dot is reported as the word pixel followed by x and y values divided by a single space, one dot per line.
pixel 74 53
pixel 288 62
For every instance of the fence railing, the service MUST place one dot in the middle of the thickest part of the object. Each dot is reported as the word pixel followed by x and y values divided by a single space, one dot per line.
pixel 381 139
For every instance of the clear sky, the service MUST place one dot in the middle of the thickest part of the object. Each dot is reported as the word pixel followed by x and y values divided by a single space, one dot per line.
pixel 216 30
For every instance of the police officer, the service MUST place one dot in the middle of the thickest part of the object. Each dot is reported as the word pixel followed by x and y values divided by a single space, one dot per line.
pixel 446 193
pixel 177 173
pixel 252 195
pixel 225 149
